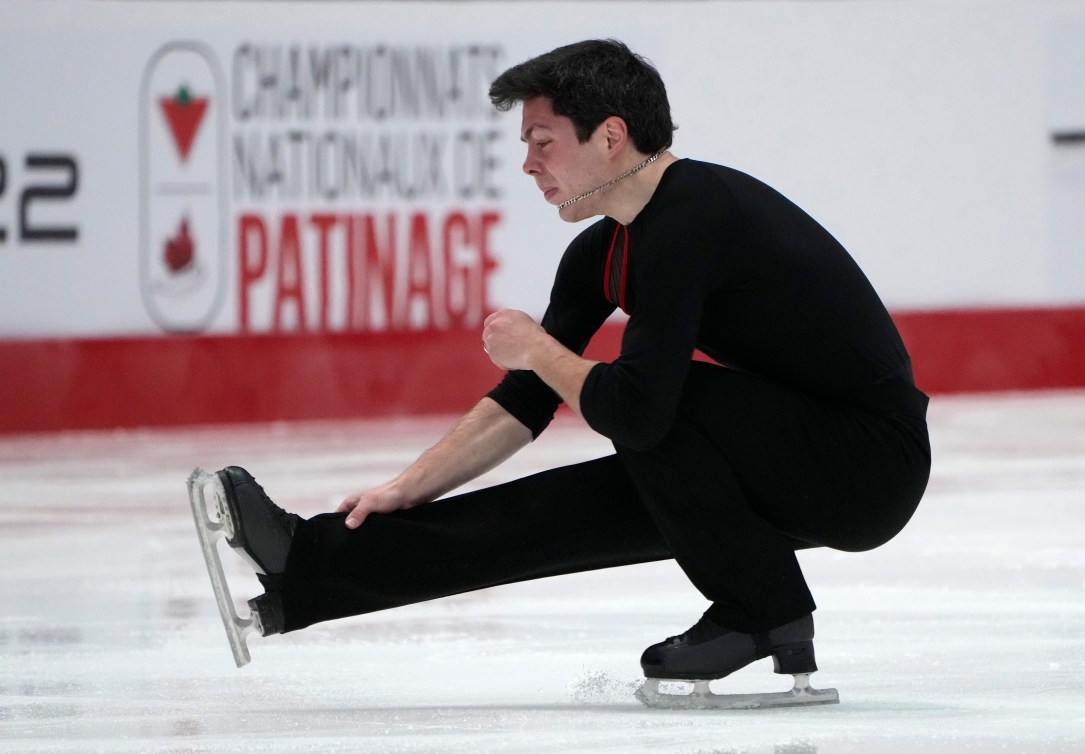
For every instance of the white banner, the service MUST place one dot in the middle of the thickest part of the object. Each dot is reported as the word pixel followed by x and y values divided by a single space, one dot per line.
pixel 319 168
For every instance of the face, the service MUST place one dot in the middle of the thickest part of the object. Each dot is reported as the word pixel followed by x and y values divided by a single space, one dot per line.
pixel 561 166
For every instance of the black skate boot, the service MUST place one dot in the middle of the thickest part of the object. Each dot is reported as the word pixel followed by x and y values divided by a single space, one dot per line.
pixel 708 651
pixel 256 528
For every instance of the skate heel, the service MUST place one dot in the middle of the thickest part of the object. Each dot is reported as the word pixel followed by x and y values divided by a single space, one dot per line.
pixel 267 613
pixel 792 659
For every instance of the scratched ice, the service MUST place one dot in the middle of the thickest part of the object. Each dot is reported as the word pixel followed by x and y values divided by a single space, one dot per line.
pixel 967 633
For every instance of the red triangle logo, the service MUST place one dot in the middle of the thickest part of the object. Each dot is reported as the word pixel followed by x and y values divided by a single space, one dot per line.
pixel 184 114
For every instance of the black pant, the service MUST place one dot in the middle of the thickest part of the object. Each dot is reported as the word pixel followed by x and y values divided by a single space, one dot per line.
pixel 749 473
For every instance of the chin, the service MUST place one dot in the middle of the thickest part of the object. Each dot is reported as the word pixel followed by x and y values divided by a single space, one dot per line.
pixel 576 212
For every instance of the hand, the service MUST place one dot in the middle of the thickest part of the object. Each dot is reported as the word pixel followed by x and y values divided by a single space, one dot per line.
pixel 510 338
pixel 383 499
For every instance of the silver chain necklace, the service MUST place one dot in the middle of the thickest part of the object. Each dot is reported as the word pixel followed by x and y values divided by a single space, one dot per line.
pixel 626 174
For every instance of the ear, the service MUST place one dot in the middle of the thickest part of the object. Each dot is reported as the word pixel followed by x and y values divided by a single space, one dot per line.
pixel 617 134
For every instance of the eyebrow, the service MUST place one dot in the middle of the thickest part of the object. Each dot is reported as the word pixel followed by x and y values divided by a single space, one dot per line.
pixel 527 133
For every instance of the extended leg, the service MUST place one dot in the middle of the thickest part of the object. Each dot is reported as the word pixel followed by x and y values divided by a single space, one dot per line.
pixel 566 520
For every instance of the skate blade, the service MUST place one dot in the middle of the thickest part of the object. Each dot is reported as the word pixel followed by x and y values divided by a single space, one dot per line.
pixel 200 483
pixel 802 695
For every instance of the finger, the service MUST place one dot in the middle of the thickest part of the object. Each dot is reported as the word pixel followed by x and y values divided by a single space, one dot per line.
pixel 348 504
pixel 355 519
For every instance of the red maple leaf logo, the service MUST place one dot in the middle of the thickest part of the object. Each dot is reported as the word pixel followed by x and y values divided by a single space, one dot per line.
pixel 180 251
pixel 184 114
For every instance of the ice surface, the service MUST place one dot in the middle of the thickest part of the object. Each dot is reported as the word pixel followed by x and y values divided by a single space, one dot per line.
pixel 966 633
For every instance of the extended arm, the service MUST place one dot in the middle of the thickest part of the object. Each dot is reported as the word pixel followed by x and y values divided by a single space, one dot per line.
pixel 490 433
pixel 482 439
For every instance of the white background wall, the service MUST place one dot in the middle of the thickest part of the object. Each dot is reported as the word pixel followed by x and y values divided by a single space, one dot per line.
pixel 919 133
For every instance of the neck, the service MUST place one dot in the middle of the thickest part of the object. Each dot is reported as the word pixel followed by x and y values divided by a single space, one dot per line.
pixel 623 197
pixel 608 184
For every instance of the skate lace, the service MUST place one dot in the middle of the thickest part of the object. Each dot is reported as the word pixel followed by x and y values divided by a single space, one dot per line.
pixel 703 630
pixel 281 516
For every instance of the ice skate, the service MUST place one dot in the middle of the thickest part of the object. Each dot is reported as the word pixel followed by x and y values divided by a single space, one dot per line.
pixel 255 528
pixel 707 652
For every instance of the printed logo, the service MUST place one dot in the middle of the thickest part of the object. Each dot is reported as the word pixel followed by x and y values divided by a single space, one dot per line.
pixel 180 250
pixel 183 247
pixel 184 114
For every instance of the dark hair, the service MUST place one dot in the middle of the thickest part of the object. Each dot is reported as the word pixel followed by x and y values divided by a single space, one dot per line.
pixel 589 82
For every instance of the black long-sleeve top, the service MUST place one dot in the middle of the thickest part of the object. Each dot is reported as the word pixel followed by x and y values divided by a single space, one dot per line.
pixel 719 261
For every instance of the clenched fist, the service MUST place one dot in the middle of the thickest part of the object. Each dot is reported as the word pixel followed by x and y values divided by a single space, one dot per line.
pixel 511 338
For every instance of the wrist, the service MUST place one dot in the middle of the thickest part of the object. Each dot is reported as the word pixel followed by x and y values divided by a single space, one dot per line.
pixel 543 351
pixel 399 493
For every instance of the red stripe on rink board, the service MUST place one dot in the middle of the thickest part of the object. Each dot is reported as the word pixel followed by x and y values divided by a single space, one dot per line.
pixel 995 350
pixel 126 382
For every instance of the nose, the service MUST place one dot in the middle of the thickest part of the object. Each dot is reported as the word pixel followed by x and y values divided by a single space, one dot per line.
pixel 531 165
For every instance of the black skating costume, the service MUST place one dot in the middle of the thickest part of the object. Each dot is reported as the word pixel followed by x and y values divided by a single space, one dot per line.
pixel 811 434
